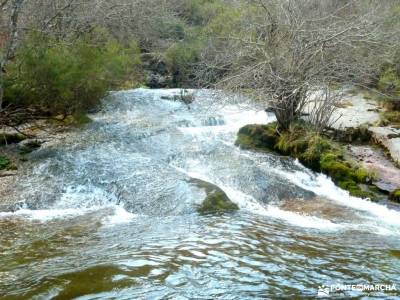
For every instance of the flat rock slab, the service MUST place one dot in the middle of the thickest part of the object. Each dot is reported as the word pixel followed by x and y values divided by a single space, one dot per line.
pixel 353 111
pixel 358 112
pixel 389 138
pixel 375 160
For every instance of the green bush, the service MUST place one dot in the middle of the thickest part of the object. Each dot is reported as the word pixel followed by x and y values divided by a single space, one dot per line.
pixel 180 58
pixel 389 82
pixel 200 12
pixel 4 162
pixel 63 77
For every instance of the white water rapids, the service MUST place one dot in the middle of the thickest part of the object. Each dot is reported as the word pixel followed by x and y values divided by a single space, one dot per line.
pixel 120 185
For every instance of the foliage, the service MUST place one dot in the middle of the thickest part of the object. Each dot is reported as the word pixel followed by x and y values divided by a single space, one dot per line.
pixel 389 83
pixel 200 12
pixel 391 117
pixel 180 58
pixel 69 76
pixel 4 162
pixel 395 196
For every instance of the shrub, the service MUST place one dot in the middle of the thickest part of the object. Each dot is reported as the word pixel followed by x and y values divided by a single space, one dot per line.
pixel 180 58
pixel 4 162
pixel 63 77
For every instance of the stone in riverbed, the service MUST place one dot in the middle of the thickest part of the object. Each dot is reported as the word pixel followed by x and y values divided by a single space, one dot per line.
pixel 216 199
pixel 29 145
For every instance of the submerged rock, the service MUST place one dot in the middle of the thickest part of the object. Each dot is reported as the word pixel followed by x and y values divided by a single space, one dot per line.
pixel 216 199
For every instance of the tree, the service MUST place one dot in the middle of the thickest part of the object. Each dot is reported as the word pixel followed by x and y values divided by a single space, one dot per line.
pixel 9 50
pixel 286 50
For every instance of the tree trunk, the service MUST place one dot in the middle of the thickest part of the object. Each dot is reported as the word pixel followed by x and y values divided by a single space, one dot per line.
pixel 11 44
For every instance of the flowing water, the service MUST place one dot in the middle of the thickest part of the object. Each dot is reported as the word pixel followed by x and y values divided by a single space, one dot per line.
pixel 111 213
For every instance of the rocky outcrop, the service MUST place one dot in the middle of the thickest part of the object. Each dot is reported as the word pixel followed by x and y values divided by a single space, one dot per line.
pixel 355 111
pixel 389 138
pixel 387 177
pixel 157 74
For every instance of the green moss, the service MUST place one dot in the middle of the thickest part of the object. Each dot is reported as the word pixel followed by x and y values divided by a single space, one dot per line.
pixel 77 119
pixel 391 117
pixel 260 137
pixel 4 162
pixel 217 201
pixel 395 196
pixel 389 82
pixel 395 253
pixel 313 150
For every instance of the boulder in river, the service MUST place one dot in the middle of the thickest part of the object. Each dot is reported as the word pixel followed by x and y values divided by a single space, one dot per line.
pixel 216 199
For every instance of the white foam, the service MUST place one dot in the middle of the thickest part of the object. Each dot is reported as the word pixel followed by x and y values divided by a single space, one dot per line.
pixel 250 204
pixel 324 186
pixel 120 216
pixel 45 214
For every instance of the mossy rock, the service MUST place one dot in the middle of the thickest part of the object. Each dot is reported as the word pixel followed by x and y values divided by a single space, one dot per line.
pixel 395 253
pixel 216 199
pixel 395 196
pixel 258 137
pixel 76 119
pixel 29 147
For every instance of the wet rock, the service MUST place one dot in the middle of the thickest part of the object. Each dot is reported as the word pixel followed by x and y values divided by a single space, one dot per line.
pixel 216 199
pixel 387 174
pixel 29 145
pixel 184 96
pixel 257 137
pixel 157 81
pixel 389 138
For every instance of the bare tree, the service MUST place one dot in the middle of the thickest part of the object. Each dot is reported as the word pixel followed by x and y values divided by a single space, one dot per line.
pixel 285 49
pixel 11 43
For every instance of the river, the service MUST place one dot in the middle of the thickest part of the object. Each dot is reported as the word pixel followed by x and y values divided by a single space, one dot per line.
pixel 110 213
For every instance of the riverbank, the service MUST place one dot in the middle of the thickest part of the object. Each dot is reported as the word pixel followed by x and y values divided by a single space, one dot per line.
pixel 359 154
pixel 17 144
